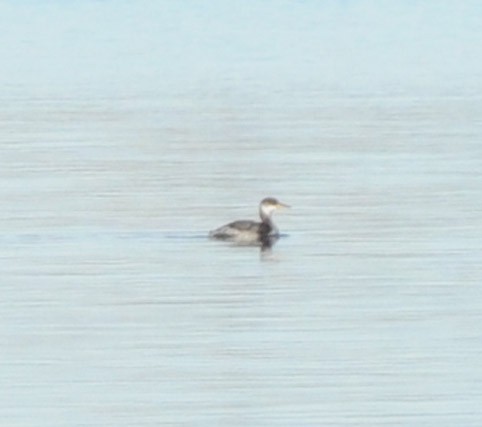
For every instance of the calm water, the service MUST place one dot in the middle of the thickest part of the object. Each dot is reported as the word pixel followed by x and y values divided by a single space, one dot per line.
pixel 120 149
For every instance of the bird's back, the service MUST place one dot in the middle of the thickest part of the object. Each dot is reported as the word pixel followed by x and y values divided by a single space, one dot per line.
pixel 237 229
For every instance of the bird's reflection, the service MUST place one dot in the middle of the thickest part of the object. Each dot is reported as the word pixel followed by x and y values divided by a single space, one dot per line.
pixel 265 244
pixel 262 234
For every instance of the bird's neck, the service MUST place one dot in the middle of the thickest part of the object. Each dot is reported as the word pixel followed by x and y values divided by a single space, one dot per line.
pixel 269 225
pixel 265 216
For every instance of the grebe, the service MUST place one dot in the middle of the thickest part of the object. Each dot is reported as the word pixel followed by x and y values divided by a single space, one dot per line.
pixel 245 231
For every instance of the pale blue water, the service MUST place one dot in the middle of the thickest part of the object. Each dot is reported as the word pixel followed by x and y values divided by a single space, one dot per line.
pixel 130 129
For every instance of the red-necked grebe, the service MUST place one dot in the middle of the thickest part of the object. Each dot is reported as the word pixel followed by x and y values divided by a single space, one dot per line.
pixel 252 231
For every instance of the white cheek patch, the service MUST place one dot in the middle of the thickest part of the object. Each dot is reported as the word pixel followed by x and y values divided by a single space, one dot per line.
pixel 269 209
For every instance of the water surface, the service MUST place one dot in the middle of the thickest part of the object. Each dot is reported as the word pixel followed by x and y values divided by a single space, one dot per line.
pixel 122 147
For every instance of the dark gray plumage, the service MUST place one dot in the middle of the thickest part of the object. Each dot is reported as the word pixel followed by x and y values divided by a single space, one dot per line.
pixel 246 231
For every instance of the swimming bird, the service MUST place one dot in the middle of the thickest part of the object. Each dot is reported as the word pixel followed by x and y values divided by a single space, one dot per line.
pixel 252 232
